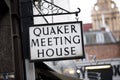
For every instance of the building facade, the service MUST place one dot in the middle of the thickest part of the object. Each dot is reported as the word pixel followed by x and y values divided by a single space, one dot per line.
pixel 106 14
pixel 102 49
pixel 11 61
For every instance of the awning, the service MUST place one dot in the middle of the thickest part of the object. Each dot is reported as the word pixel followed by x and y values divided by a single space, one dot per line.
pixel 56 76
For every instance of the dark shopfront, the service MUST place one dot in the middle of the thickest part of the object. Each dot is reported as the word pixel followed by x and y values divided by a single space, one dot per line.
pixel 11 58
pixel 11 61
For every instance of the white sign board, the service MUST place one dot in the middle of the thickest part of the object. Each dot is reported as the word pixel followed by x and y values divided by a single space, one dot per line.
pixel 56 41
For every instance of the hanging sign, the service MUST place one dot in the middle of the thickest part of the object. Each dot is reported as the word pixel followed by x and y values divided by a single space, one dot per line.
pixel 56 41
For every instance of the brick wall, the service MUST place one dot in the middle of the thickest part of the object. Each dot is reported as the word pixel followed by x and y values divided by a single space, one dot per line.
pixel 104 51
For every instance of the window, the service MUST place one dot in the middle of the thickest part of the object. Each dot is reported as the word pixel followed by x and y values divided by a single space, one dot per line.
pixel 100 38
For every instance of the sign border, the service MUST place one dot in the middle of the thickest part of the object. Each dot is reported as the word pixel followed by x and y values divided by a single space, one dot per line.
pixel 63 58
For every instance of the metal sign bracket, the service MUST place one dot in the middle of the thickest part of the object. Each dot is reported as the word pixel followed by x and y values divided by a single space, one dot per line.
pixel 46 8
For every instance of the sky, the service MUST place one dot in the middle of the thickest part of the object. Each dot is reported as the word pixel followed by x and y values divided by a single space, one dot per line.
pixel 86 7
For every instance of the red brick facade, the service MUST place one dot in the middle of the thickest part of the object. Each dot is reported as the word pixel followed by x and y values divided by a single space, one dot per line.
pixel 104 51
pixel 87 27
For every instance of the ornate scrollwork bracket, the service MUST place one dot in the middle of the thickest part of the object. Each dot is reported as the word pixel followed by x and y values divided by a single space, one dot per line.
pixel 46 8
